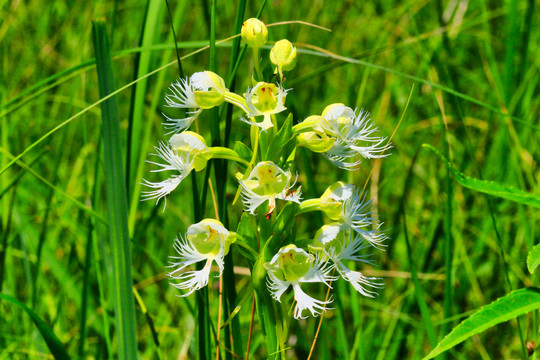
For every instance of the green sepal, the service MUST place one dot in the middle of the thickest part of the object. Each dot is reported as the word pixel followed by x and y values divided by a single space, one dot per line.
pixel 208 99
pixel 201 159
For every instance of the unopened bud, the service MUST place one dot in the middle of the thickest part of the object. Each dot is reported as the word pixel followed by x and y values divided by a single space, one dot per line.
pixel 283 55
pixel 254 33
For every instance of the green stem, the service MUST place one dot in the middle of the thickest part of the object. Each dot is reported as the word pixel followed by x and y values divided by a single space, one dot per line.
pixel 256 64
pixel 309 205
pixel 219 152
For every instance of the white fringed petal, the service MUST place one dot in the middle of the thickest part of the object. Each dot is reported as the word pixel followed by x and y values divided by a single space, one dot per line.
pixel 182 164
pixel 181 95
pixel 304 301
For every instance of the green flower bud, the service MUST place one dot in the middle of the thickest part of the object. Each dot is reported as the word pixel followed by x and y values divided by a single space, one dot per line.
pixel 283 55
pixel 254 33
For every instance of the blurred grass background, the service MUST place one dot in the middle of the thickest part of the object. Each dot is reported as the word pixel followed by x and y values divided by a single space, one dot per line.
pixel 469 249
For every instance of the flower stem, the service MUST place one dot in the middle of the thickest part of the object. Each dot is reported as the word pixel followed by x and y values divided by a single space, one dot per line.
pixel 256 64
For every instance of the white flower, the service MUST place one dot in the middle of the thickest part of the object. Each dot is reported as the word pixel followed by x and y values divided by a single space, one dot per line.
pixel 292 266
pixel 207 241
pixel 268 182
pixel 182 153
pixel 353 134
pixel 339 245
pixel 204 90
pixel 342 136
pixel 264 99
pixel 344 202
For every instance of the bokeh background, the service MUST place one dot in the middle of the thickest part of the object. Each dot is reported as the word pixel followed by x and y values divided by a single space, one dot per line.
pixel 470 69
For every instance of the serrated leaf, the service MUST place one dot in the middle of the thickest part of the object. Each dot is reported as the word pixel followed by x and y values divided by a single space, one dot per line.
pixel 489 187
pixel 533 259
pixel 53 343
pixel 516 303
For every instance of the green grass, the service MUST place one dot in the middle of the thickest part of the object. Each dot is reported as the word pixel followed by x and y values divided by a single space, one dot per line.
pixel 456 243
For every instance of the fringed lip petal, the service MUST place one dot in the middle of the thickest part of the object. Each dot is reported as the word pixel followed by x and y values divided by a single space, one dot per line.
pixel 312 269
pixel 173 162
pixel 181 95
pixel 304 301
pixel 213 233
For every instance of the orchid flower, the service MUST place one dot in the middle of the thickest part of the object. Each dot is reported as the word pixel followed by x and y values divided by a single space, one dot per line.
pixel 292 266
pixel 203 90
pixel 268 182
pixel 342 135
pixel 345 203
pixel 340 244
pixel 183 153
pixel 264 99
pixel 207 241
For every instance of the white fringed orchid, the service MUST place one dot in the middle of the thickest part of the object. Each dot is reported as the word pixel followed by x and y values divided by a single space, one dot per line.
pixel 343 202
pixel 292 266
pixel 339 245
pixel 203 90
pixel 183 152
pixel 268 182
pixel 342 135
pixel 264 99
pixel 207 241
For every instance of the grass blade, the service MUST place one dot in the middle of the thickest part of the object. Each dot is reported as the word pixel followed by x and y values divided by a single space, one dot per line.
pixel 116 200
pixel 533 259
pixel 53 343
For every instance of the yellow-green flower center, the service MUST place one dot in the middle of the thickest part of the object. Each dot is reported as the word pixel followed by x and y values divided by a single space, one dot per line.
pixel 264 97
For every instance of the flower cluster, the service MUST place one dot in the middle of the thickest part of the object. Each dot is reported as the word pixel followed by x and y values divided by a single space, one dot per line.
pixel 268 186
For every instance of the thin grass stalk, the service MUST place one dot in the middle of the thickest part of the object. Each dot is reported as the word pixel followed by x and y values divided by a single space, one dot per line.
pixel 419 293
pixel 233 330
pixel 116 200
pixel 142 62
pixel 45 222
pixel 88 265
pixel 452 79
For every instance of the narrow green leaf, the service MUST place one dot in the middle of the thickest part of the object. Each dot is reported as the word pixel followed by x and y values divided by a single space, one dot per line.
pixel 53 343
pixel 243 151
pixel 116 199
pixel 489 187
pixel 533 259
pixel 516 303
pixel 275 150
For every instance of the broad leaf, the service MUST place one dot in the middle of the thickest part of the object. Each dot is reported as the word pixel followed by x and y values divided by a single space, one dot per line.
pixel 516 303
